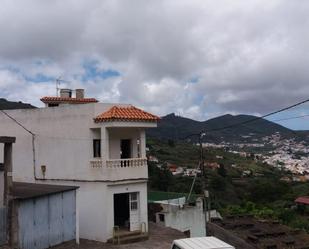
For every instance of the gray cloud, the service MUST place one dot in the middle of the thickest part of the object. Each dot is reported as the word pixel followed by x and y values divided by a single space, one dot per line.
pixel 241 56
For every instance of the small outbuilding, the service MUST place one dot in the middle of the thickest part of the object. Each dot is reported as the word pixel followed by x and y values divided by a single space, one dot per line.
pixel 302 204
pixel 302 200
pixel 45 215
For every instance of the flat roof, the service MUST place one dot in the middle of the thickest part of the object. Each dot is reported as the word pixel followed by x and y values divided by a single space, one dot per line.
pixel 23 190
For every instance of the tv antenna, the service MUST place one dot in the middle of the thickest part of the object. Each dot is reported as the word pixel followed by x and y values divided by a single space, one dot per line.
pixel 58 82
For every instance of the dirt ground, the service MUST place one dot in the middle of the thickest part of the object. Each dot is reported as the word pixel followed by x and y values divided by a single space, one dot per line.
pixel 159 238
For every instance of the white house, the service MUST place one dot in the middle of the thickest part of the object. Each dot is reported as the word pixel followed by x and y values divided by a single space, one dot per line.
pixel 98 147
pixel 189 219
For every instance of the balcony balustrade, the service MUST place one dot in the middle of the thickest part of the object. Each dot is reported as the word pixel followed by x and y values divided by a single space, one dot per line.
pixel 119 163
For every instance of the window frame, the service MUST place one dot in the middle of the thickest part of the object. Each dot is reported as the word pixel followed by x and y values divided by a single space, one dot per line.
pixel 96 148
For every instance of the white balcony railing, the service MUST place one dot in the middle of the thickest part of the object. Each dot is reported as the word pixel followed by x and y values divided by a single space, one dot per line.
pixel 119 163
pixel 96 163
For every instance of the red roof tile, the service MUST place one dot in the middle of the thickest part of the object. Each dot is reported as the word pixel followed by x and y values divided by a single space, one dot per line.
pixel 68 100
pixel 130 113
pixel 303 200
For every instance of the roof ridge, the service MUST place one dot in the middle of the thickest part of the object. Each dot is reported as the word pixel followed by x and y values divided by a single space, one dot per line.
pixel 126 113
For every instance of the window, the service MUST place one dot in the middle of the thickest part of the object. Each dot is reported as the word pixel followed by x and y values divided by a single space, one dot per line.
pixel 53 105
pixel 96 147
pixel 133 201
pixel 138 142
pixel 175 247
pixel 162 217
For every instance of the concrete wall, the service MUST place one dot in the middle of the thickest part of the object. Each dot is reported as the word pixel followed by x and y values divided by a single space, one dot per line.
pixel 184 218
pixel 63 143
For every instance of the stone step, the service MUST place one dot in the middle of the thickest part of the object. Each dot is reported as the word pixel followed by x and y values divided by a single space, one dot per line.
pixel 130 237
pixel 134 238
pixel 122 234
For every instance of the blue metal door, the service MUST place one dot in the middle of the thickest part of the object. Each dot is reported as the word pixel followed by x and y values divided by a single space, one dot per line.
pixel 47 221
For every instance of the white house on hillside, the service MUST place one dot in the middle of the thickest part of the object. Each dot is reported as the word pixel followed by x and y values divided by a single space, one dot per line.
pixel 98 147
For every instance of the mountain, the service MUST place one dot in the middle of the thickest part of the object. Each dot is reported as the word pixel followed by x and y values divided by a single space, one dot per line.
pixel 8 105
pixel 177 127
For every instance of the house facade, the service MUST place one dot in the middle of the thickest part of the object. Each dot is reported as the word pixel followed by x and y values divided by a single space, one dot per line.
pixel 99 147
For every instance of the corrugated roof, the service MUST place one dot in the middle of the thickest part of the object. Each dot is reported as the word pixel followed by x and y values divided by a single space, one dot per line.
pixel 56 100
pixel 303 200
pixel 23 190
pixel 129 113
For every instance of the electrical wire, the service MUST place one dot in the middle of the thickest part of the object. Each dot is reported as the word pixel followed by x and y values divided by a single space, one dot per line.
pixel 22 126
pixel 247 121
pixel 295 117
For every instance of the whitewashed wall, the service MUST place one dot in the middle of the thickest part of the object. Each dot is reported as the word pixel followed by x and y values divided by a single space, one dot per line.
pixel 63 143
pixel 187 218
pixel 63 137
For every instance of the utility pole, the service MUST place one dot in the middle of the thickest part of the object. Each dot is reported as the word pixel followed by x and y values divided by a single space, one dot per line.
pixel 202 168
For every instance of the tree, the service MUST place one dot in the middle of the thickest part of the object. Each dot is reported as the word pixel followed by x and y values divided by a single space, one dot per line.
pixel 159 178
pixel 171 143
pixel 221 170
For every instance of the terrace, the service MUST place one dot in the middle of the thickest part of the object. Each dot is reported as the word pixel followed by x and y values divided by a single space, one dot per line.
pixel 247 232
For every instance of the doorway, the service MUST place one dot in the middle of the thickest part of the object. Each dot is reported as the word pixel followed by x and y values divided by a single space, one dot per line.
pixel 127 211
pixel 121 210
pixel 125 147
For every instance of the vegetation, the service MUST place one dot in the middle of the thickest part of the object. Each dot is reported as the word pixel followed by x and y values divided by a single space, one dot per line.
pixel 6 105
pixel 260 192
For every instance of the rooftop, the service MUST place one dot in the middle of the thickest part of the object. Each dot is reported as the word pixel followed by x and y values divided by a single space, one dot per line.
pixel 302 200
pixel 58 100
pixel 130 113
pixel 23 190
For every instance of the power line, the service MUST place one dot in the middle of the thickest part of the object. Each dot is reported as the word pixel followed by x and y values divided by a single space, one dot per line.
pixel 264 116
pixel 22 126
pixel 248 121
pixel 295 117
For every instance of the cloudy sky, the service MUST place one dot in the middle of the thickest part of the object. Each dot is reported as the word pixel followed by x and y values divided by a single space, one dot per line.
pixel 197 58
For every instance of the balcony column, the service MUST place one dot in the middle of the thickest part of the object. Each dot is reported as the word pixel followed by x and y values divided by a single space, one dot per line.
pixel 143 144
pixel 104 143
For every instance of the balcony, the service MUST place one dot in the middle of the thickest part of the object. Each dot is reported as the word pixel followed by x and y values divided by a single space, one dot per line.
pixel 130 162
pixel 120 169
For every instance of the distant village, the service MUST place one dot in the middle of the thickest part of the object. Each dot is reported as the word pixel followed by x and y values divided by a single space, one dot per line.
pixel 287 154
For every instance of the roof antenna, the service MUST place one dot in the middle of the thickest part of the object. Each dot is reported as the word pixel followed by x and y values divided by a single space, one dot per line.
pixel 58 82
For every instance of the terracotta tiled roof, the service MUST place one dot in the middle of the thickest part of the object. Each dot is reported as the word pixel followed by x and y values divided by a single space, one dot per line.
pixel 303 200
pixel 68 100
pixel 129 113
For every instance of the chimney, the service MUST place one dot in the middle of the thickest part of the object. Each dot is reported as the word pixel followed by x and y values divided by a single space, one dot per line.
pixel 80 93
pixel 65 93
